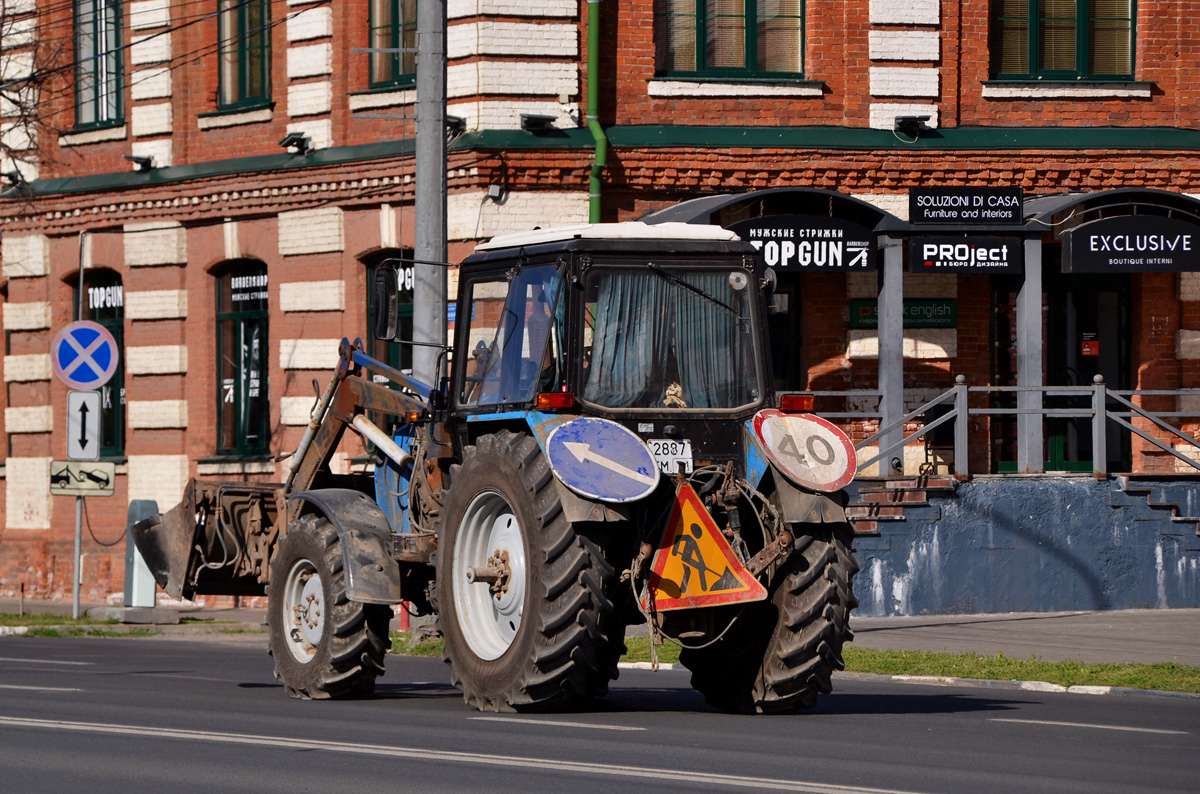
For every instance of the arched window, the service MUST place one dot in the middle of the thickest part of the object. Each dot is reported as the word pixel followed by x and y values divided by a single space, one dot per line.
pixel 243 403
pixel 104 303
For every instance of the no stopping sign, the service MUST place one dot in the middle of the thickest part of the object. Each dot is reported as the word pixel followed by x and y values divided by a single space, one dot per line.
pixel 809 450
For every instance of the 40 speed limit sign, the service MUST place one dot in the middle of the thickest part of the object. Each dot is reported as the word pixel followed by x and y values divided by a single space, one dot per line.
pixel 810 451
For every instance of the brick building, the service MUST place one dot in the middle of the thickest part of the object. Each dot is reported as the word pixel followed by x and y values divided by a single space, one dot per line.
pixel 145 138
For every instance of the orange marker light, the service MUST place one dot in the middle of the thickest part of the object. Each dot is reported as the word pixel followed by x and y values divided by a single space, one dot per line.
pixel 551 400
pixel 795 403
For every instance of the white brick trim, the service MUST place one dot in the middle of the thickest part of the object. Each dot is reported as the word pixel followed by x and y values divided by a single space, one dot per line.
pixel 311 231
pixel 308 353
pixel 1187 345
pixel 883 114
pixel 165 304
pixel 295 411
pixel 156 360
pixel 522 211
pixel 895 203
pixel 145 120
pixel 156 414
pixel 28 504
pixel 1068 91
pixel 94 136
pixel 32 316
pixel 917 81
pixel 904 45
pixel 456 9
pixel 683 88
pixel 155 243
pixel 25 256
pixel 257 116
pixel 488 37
pixel 236 467
pixel 927 344
pixel 312 296
pixel 151 83
pixel 158 477
pixel 155 48
pixel 149 14
pixel 310 23
pixel 310 99
pixel 386 99
pixel 159 150
pixel 540 78
pixel 29 368
pixel 29 419
pixel 905 12
pixel 309 61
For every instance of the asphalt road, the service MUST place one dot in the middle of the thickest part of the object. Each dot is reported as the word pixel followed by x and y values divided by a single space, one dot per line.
pixel 149 715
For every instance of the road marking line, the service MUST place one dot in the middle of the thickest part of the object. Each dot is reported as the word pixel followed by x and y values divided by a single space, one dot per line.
pixel 43 661
pixel 41 688
pixel 714 779
pixel 557 724
pixel 1090 725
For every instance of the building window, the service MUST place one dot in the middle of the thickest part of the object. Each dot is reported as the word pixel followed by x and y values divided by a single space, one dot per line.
pixel 729 38
pixel 245 47
pixel 104 303
pixel 98 63
pixel 243 405
pixel 1063 39
pixel 393 27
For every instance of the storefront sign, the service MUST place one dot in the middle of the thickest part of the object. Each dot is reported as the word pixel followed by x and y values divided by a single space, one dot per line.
pixel 809 242
pixel 939 313
pixel 981 205
pixel 1132 244
pixel 965 255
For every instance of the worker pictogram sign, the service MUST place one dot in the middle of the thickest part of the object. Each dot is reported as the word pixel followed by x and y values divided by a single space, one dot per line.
pixel 694 566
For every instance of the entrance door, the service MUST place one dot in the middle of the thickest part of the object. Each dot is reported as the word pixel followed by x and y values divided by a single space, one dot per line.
pixel 1087 334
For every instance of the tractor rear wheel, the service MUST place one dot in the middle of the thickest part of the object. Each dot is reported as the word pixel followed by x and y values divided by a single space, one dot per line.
pixel 324 645
pixel 523 594
pixel 782 652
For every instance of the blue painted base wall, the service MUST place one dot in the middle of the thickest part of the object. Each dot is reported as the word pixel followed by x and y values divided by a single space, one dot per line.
pixel 1033 545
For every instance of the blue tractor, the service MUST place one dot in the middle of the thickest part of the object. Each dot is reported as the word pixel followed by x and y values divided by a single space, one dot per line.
pixel 604 449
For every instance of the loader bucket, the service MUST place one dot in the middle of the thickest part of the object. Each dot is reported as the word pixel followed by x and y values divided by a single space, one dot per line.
pixel 166 542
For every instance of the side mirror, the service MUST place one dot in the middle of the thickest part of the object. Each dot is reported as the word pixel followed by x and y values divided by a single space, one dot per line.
pixel 770 281
pixel 385 304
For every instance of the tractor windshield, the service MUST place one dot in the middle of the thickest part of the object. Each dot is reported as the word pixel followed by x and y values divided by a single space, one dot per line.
pixel 669 338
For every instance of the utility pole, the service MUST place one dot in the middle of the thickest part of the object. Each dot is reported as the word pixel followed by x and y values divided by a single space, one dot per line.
pixel 429 292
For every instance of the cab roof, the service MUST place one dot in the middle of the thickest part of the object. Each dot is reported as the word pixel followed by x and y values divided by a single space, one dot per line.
pixel 630 230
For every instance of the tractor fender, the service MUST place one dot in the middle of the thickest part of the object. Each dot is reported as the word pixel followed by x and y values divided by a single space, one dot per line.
pixel 800 506
pixel 372 576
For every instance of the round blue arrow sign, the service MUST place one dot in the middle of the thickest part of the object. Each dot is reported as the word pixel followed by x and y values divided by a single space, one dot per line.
pixel 601 460
pixel 84 355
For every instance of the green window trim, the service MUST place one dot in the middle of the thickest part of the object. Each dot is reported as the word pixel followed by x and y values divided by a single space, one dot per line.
pixel 393 25
pixel 242 361
pixel 729 39
pixel 1063 40
pixel 104 304
pixel 99 64
pixel 244 54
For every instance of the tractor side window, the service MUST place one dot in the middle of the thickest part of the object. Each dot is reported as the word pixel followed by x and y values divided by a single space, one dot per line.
pixel 514 338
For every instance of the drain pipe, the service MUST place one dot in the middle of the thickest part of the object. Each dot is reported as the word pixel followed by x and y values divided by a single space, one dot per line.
pixel 593 110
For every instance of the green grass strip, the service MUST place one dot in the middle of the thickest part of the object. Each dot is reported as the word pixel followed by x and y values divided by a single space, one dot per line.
pixel 47 619
pixel 1166 676
pixel 87 632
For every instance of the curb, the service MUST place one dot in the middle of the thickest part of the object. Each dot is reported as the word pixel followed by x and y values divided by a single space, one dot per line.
pixel 1026 686
pixel 10 631
pixel 647 666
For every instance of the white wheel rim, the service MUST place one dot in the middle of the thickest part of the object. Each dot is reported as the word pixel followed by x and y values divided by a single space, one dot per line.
pixel 489 621
pixel 303 610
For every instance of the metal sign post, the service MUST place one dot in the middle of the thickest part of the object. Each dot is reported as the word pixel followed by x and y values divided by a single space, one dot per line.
pixel 84 356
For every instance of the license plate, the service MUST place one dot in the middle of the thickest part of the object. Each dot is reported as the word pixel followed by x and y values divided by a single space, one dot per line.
pixel 670 452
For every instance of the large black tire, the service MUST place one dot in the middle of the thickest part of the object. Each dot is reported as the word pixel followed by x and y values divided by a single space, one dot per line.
pixel 783 652
pixel 329 647
pixel 541 644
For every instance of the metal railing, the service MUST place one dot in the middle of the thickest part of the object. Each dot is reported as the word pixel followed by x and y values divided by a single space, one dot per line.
pixel 1098 412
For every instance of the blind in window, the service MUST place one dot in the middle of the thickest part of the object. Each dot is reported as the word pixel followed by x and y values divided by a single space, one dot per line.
pixel 780 35
pixel 725 37
pixel 1110 37
pixel 675 35
pixel 1056 39
pixel 1010 37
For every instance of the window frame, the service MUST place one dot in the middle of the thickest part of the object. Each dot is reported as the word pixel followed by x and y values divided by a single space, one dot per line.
pixel 749 72
pixel 395 39
pixel 240 318
pixel 241 42
pixel 1083 27
pixel 111 58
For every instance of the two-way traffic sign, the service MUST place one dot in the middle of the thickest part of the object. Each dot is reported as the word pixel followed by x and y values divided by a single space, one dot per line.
pixel 83 425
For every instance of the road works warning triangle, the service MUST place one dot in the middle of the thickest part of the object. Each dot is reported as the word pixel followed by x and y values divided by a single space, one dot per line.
pixel 694 566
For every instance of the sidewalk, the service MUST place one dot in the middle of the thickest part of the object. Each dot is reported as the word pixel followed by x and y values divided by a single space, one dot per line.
pixel 1145 636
